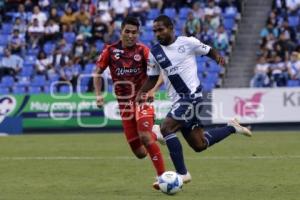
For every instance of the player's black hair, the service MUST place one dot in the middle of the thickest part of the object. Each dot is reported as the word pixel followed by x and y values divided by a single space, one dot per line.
pixel 167 21
pixel 130 20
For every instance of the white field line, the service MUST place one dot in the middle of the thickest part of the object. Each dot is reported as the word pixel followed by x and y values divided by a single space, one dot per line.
pixel 275 157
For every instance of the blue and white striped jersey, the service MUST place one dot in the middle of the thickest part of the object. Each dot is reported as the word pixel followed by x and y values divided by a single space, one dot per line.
pixel 178 65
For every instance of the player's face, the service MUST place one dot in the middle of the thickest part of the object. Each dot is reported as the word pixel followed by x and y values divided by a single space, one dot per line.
pixel 129 35
pixel 163 34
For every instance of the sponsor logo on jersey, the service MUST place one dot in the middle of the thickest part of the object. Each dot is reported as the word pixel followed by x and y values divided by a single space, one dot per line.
pixel 127 71
pixel 137 57
pixel 146 124
pixel 118 51
pixel 159 56
pixel 117 55
pixel 181 49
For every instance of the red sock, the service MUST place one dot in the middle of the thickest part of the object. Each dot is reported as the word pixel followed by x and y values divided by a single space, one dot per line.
pixel 156 158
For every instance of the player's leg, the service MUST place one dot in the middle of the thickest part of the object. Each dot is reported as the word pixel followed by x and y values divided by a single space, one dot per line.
pixel 147 111
pixel 127 112
pixel 133 139
pixel 168 130
pixel 145 121
pixel 200 140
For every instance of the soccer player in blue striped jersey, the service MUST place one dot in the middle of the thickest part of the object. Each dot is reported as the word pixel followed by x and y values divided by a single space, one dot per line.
pixel 175 58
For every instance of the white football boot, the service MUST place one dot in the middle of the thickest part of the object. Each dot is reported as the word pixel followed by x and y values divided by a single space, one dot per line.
pixel 186 178
pixel 238 128
pixel 159 136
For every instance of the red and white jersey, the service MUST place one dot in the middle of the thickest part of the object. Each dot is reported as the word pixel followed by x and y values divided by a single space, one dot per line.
pixel 128 68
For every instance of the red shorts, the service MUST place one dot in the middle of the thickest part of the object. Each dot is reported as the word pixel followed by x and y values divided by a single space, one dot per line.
pixel 136 118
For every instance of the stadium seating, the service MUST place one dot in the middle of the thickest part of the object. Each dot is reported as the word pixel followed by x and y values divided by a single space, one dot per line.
pixel 7 81
pixel 28 80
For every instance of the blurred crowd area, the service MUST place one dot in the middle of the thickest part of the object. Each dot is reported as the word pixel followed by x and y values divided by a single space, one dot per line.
pixel 51 41
pixel 278 62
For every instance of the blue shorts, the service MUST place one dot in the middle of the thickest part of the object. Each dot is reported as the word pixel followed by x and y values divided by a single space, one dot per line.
pixel 187 111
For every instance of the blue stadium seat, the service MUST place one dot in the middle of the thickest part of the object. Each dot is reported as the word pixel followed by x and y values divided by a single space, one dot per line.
pixel 39 80
pixel 7 81
pixel 201 76
pixel 34 90
pixel 47 89
pixel 207 87
pixel 69 37
pixel 228 23
pixel 147 28
pixel 171 12
pixel 81 88
pixel 33 52
pixel 214 67
pixel 110 88
pixel 211 78
pixel 29 60
pixel 53 78
pixel 179 25
pixel 230 12
pixel 23 81
pixel 147 36
pixel 293 83
pixel 84 80
pixel 7 28
pixel 153 13
pixel 4 90
pixel 293 20
pixel 183 13
pixel 65 89
pixel 49 48
pixel 201 67
pixel 27 71
pixel 99 46
pixel 4 39
pixel 89 68
pixel 19 90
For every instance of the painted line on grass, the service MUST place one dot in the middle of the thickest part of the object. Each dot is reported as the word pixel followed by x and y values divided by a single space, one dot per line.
pixel 277 157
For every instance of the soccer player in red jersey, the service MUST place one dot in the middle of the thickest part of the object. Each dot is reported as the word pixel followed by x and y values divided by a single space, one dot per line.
pixel 127 60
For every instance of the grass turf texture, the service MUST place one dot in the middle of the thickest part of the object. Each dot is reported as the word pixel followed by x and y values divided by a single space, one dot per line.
pixel 101 167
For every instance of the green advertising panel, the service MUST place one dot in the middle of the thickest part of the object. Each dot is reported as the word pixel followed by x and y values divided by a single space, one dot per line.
pixel 72 110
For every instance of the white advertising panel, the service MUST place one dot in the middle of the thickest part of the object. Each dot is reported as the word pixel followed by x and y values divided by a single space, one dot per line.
pixel 256 105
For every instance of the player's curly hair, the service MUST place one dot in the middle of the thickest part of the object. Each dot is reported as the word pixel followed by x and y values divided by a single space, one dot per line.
pixel 130 20
pixel 167 21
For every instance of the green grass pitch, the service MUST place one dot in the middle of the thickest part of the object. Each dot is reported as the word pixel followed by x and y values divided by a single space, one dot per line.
pixel 101 167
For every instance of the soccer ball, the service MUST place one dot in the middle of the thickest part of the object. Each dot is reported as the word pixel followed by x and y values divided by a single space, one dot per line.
pixel 170 182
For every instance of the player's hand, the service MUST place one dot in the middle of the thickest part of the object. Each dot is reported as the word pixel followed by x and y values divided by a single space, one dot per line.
pixel 99 101
pixel 150 96
pixel 220 60
pixel 141 97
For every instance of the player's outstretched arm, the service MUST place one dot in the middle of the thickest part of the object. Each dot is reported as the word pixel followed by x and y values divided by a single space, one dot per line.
pixel 97 86
pixel 213 54
pixel 148 85
pixel 151 93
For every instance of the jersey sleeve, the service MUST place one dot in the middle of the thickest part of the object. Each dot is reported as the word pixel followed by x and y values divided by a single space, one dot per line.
pixel 102 61
pixel 199 47
pixel 152 66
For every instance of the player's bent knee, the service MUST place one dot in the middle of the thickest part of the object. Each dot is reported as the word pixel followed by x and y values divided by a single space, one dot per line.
pixel 140 153
pixel 199 147
pixel 166 130
pixel 145 138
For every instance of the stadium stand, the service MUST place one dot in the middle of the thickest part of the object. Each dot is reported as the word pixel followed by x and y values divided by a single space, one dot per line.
pixel 78 31
pixel 279 47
